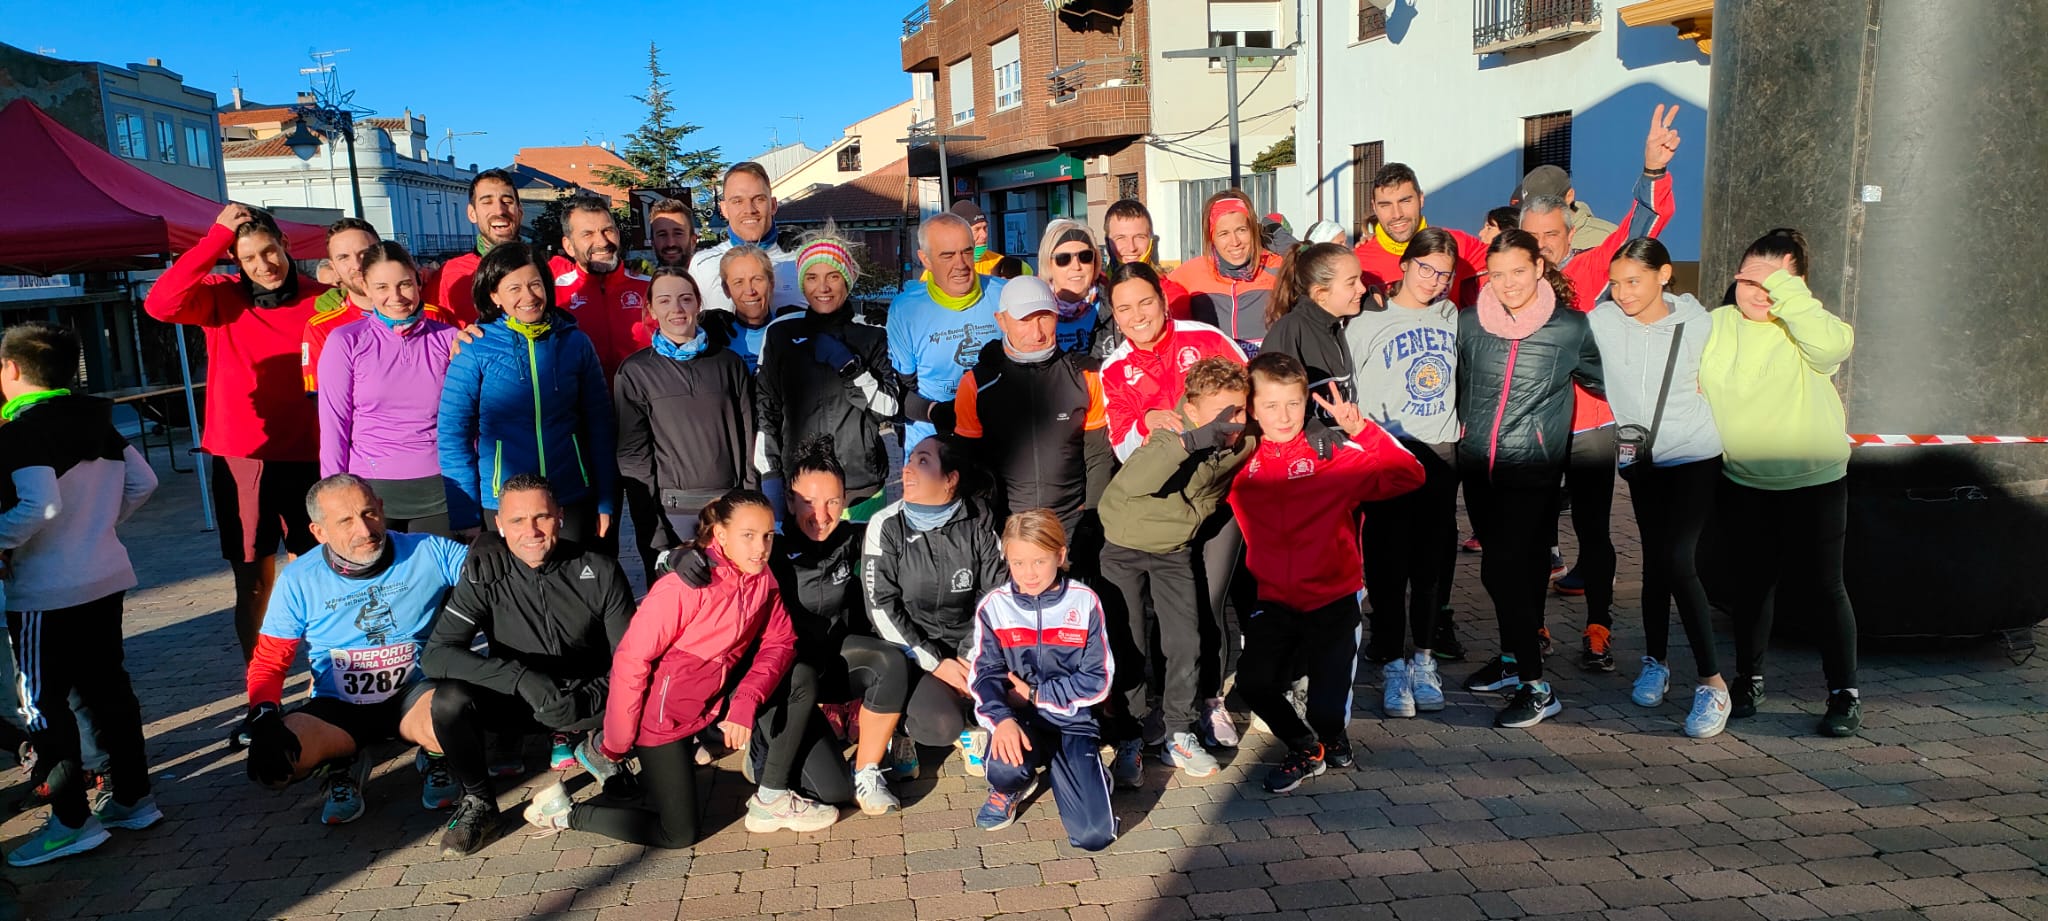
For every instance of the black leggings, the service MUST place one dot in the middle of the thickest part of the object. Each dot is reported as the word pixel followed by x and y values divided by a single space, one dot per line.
pixel 1514 563
pixel 668 782
pixel 1410 542
pixel 792 745
pixel 1793 535
pixel 936 714
pixel 876 672
pixel 1672 505
pixel 463 712
pixel 1589 477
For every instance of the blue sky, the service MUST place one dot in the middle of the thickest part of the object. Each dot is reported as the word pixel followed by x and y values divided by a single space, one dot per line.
pixel 522 71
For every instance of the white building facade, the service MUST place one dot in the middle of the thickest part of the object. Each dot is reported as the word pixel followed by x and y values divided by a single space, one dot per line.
pixel 1472 95
pixel 407 194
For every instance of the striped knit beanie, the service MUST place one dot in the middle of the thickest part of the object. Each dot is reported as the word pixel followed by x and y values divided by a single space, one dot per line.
pixel 829 251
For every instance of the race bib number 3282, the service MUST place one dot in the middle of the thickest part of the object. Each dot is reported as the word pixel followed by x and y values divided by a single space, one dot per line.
pixel 368 676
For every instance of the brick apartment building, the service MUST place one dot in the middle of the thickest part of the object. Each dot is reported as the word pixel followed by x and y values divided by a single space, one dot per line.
pixel 1061 97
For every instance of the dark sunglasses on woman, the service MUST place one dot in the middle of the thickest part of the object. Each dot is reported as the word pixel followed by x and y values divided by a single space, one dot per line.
pixel 1087 257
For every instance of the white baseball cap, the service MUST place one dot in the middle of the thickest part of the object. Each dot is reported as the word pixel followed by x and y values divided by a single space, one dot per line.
pixel 1025 295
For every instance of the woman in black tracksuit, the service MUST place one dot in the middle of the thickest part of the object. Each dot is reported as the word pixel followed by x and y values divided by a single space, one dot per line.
pixel 822 373
pixel 1319 290
pixel 685 417
pixel 925 563
pixel 1519 350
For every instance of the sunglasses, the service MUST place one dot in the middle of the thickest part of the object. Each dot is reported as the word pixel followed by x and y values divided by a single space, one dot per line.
pixel 1087 257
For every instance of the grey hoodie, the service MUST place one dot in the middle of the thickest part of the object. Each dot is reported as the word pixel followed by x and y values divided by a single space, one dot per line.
pixel 1634 355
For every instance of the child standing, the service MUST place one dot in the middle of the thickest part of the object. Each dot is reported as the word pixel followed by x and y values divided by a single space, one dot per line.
pixel 1300 518
pixel 70 479
pixel 1040 661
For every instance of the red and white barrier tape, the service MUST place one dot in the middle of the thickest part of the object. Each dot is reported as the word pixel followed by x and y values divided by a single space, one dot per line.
pixel 1904 441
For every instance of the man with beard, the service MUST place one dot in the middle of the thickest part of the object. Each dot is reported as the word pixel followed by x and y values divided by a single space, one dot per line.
pixel 674 230
pixel 748 204
pixel 360 608
pixel 262 432
pixel 608 300
pixel 554 612
pixel 1396 218
pixel 494 209
pixel 347 240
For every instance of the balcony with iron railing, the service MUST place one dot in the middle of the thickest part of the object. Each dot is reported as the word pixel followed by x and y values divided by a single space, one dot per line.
pixel 920 43
pixel 1098 100
pixel 1504 25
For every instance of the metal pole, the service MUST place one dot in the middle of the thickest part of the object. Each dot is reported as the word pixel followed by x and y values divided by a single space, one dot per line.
pixel 945 177
pixel 1230 82
pixel 355 183
pixel 1230 55
pixel 199 459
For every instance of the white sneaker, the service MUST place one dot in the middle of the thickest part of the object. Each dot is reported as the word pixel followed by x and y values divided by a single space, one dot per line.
pixel 871 792
pixel 1652 683
pixel 549 808
pixel 1217 729
pixel 791 812
pixel 973 745
pixel 1400 699
pixel 1184 751
pixel 1709 712
pixel 1425 684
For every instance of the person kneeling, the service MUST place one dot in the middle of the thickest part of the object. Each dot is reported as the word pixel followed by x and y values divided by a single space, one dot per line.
pixel 553 612
pixel 694 658
pixel 1041 661
pixel 360 607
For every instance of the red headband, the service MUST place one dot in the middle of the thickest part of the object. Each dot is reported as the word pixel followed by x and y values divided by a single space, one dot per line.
pixel 1229 205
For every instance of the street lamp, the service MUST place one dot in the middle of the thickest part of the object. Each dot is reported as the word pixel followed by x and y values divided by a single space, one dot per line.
pixel 336 121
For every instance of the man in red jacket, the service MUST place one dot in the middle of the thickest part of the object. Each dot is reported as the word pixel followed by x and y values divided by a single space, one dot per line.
pixel 495 210
pixel 608 300
pixel 1396 218
pixel 263 433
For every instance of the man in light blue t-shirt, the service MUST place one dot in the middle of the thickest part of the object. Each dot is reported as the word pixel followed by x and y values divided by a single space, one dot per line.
pixel 937 327
pixel 360 606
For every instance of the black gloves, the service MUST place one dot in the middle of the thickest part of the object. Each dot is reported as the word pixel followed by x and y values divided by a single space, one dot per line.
pixel 562 712
pixel 692 565
pixel 538 690
pixel 1324 439
pixel 1217 433
pixel 833 353
pixel 273 748
pixel 943 417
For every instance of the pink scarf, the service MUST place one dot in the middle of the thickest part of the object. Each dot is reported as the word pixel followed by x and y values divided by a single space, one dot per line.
pixel 1494 316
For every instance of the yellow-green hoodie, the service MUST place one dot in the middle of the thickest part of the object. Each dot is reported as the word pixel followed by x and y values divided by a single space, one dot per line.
pixel 1770 387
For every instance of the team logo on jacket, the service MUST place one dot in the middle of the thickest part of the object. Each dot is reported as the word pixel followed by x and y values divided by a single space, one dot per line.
pixel 1428 377
pixel 1133 374
pixel 841 574
pixel 1301 467
pixel 1073 618
pixel 1188 356
pixel 632 300
pixel 963 581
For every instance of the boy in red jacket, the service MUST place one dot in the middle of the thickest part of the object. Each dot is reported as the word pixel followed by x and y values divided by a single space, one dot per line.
pixel 1300 519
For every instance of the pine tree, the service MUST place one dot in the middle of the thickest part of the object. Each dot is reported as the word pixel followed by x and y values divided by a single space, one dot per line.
pixel 654 152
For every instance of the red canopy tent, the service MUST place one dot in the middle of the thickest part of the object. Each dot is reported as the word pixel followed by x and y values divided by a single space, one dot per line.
pixel 70 206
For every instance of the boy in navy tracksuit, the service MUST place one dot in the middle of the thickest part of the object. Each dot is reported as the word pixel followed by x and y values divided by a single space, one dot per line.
pixel 1041 660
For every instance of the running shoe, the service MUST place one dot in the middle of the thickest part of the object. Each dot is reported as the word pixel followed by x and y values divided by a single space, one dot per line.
pixel 1709 713
pixel 1446 646
pixel 1557 567
pixel 345 792
pixel 438 786
pixel 1530 705
pixel 1497 674
pixel 1571 583
pixel 1184 751
pixel 973 745
pixel 593 759
pixel 1126 767
pixel 871 792
pixel 1844 716
pixel 1399 698
pixel 1338 755
pixel 550 807
pixel 562 754
pixel 1299 765
pixel 1652 684
pixel 134 817
pixel 903 758
pixel 1597 654
pixel 475 817
pixel 1744 696
pixel 791 812
pixel 1218 731
pixel 56 839
pixel 1425 684
pixel 505 757
pixel 1000 809
pixel 1471 545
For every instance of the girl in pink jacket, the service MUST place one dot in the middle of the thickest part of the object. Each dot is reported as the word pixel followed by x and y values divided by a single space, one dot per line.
pixel 693 658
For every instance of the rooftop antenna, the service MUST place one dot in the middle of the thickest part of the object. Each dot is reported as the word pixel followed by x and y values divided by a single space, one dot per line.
pixel 799 126
pixel 323 66
pixel 774 138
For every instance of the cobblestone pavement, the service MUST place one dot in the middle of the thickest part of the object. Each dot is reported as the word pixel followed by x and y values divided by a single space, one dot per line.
pixel 1937 811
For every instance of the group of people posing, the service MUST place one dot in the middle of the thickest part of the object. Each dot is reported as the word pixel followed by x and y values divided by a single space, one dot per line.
pixel 1102 463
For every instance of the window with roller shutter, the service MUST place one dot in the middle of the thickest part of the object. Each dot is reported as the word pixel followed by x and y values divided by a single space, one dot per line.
pixel 1366 160
pixel 1547 141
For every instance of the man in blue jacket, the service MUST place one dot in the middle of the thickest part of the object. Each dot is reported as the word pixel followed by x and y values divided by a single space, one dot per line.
pixel 937 327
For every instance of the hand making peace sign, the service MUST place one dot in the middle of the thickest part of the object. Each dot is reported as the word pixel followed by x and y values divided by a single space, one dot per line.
pixel 1343 412
pixel 1663 139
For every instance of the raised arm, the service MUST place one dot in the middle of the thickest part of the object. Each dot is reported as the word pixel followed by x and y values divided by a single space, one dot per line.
pixel 1824 340
pixel 184 292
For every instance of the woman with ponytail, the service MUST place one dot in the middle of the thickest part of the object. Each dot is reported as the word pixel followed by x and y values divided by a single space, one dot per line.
pixel 695 658
pixel 1519 352
pixel 1319 291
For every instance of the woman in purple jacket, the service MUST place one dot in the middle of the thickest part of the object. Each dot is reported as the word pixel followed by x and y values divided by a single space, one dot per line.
pixel 380 392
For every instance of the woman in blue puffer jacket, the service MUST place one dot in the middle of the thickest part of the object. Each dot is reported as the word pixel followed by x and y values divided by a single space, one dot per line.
pixel 526 396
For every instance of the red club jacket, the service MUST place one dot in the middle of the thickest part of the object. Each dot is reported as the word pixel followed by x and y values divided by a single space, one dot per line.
pixel 1379 266
pixel 611 309
pixel 1587 270
pixel 1300 513
pixel 1136 381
